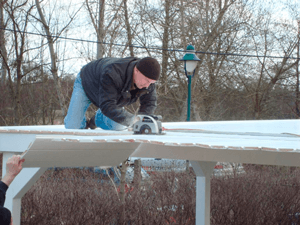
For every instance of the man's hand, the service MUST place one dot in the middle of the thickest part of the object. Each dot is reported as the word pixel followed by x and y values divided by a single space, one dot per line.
pixel 136 119
pixel 13 168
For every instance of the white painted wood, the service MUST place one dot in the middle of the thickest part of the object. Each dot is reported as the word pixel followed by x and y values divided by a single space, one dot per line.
pixel 195 153
pixel 15 142
pixel 22 183
pixel 47 151
pixel 271 142
pixel 203 172
pixel 16 211
pixel 261 126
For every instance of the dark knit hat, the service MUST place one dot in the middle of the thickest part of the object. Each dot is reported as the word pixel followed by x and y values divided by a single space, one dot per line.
pixel 149 67
pixel 5 216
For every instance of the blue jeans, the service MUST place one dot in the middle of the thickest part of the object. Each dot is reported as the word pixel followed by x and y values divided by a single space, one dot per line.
pixel 79 103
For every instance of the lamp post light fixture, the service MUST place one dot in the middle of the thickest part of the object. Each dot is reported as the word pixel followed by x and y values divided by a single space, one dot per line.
pixel 190 62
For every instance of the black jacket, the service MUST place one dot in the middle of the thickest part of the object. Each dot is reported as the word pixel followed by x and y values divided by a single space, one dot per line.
pixel 3 189
pixel 5 214
pixel 107 84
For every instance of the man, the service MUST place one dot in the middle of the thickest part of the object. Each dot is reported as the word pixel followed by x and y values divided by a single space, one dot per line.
pixel 13 168
pixel 111 84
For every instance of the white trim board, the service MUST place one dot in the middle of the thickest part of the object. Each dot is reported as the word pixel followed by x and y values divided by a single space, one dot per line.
pixel 47 151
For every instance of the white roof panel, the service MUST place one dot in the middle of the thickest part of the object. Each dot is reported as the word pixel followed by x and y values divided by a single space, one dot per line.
pixel 274 142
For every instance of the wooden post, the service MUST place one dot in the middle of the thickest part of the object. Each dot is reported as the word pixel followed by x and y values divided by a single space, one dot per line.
pixel 203 171
pixel 137 173
pixel 187 166
pixel 122 191
pixel 17 189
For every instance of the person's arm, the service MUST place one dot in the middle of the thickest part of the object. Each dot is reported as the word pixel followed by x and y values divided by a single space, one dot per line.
pixel 3 189
pixel 13 168
pixel 148 101
pixel 108 95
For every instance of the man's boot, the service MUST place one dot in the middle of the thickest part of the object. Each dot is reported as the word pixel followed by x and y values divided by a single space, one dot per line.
pixel 90 123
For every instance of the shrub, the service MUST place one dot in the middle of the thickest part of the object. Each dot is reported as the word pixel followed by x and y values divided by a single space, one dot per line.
pixel 265 195
pixel 74 196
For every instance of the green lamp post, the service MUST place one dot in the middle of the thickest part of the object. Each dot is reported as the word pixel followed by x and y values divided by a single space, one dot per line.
pixel 190 62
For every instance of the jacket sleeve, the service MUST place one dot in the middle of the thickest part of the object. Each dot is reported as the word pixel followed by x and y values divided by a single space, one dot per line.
pixel 108 94
pixel 3 189
pixel 148 101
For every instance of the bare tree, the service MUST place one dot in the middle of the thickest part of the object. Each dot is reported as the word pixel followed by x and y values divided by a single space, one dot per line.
pixel 3 52
pixel 297 74
pixel 220 24
pixel 294 12
pixel 268 38
pixel 209 26
pixel 98 25
pixel 18 13
pixel 53 55
pixel 165 44
pixel 106 27
pixel 128 28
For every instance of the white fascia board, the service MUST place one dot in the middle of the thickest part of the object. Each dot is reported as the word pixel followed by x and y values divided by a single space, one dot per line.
pixel 17 143
pixel 47 151
pixel 211 154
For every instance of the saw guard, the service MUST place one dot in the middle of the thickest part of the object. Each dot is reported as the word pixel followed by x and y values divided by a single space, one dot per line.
pixel 139 126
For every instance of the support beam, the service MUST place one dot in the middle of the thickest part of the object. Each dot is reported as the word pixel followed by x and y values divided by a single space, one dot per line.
pixel 22 183
pixel 203 171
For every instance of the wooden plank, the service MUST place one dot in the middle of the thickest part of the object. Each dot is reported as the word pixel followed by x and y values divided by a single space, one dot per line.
pixel 64 152
pixel 218 154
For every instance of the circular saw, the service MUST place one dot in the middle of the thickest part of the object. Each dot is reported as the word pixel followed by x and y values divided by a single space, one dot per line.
pixel 148 124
